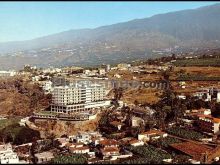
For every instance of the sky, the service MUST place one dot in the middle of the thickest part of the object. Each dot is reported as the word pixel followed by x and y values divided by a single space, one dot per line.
pixel 28 20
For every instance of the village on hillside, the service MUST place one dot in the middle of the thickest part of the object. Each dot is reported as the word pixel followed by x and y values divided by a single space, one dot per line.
pixel 95 116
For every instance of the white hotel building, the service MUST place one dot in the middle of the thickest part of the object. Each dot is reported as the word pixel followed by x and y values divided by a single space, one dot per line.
pixel 78 97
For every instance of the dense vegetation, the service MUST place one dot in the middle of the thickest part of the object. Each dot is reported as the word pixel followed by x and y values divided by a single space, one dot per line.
pixel 197 78
pixel 198 62
pixel 6 122
pixel 18 134
pixel 149 153
pixel 185 133
pixel 70 159
pixel 165 142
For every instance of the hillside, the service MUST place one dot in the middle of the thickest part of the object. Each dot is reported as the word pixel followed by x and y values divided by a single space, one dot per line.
pixel 20 98
pixel 172 32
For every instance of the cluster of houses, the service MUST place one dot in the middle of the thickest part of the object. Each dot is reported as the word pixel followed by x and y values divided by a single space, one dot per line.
pixel 99 148
pixel 203 120
pixel 208 94
pixel 8 156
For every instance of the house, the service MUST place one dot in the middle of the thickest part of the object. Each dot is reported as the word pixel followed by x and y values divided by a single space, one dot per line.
pixel 23 150
pixel 151 135
pixel 181 97
pixel 7 156
pixel 76 145
pixel 7 73
pixel 136 143
pixel 203 93
pixel 44 157
pixel 110 151
pixel 109 143
pixel 96 140
pixel 102 71
pixel 23 121
pixel 126 140
pixel 117 124
pixel 117 75
pixel 47 86
pixel 208 124
pixel 62 141
pixel 93 160
pixel 95 134
pixel 123 66
pixel 83 137
pixel 182 84
pixel 208 94
pixel 203 111
pixel 108 68
pixel 218 97
pixel 136 121
pixel 195 112
pixel 79 150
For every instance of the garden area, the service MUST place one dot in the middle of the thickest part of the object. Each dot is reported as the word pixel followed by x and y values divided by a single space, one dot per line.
pixel 70 159
pixel 196 78
pixel 198 62
pixel 147 154
pixel 6 122
pixel 18 134
pixel 165 142
pixel 185 133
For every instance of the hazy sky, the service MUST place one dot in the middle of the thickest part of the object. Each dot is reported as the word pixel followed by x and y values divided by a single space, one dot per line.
pixel 28 20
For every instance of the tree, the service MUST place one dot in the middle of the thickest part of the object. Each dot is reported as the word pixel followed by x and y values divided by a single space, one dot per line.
pixel 118 93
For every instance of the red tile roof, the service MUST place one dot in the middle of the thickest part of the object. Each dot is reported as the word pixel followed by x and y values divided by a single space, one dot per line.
pixel 191 148
pixel 152 132
pixel 106 142
pixel 110 149
pixel 79 148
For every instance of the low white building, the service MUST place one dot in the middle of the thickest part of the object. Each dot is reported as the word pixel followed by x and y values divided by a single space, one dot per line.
pixel 62 141
pixel 83 138
pixel 79 150
pixel 96 140
pixel 110 151
pixel 123 66
pixel 151 135
pixel 7 156
pixel 136 121
pixel 102 71
pixel 181 97
pixel 136 143
pixel 44 157
pixel 47 86
pixel 218 97
pixel 23 121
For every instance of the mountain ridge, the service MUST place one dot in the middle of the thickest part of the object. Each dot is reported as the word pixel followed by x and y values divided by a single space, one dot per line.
pixel 187 29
